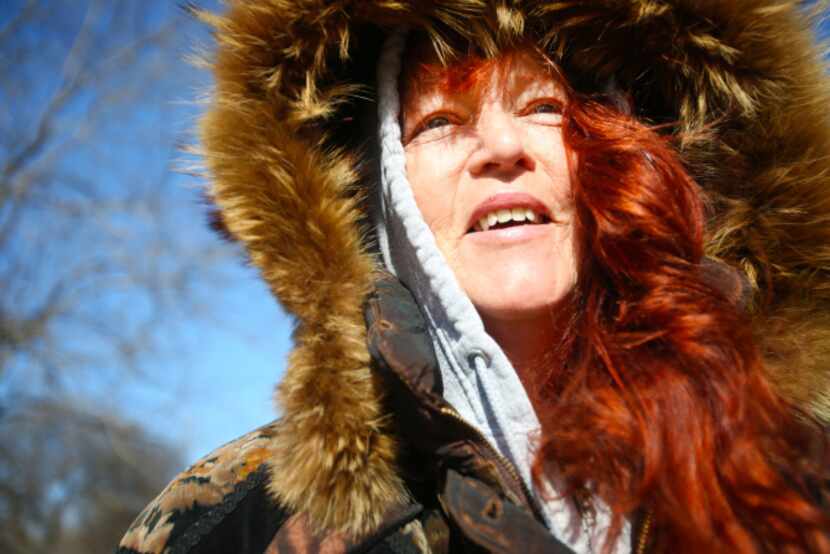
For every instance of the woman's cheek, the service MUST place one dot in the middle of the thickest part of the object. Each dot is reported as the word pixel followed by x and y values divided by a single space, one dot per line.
pixel 429 186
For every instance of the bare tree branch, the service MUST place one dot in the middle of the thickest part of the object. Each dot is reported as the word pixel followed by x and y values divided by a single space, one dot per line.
pixel 95 265
pixel 18 20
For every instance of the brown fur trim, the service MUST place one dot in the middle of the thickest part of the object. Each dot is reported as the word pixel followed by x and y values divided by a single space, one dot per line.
pixel 293 206
pixel 743 78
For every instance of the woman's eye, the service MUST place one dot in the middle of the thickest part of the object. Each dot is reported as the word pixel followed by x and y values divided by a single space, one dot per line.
pixel 435 122
pixel 431 123
pixel 546 107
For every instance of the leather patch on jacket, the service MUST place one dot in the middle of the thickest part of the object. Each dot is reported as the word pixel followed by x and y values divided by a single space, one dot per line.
pixel 494 523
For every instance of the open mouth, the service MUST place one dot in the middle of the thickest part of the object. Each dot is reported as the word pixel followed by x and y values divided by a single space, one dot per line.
pixel 506 218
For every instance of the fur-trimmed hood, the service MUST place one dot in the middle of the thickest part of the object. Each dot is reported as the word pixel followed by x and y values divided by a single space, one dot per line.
pixel 281 139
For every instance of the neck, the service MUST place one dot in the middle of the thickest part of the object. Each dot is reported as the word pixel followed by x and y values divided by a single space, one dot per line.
pixel 531 342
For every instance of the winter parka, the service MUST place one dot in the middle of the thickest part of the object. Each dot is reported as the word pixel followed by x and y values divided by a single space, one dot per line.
pixel 366 455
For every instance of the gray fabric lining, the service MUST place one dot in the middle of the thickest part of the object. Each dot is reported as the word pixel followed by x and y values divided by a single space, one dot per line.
pixel 479 380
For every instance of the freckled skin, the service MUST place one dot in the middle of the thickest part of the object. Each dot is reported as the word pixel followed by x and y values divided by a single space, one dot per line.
pixel 463 148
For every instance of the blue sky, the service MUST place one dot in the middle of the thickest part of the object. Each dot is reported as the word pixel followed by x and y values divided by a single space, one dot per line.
pixel 216 380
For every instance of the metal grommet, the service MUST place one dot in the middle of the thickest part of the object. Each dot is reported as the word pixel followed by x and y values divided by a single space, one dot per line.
pixel 493 509
pixel 384 325
pixel 477 353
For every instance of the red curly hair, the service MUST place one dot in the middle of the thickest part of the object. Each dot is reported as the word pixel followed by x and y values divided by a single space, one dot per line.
pixel 659 402
pixel 665 392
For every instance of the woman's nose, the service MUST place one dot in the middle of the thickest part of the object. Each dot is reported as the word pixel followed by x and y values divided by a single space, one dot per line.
pixel 501 147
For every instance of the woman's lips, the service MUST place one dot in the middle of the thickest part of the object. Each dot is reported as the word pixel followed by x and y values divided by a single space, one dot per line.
pixel 507 201
pixel 509 235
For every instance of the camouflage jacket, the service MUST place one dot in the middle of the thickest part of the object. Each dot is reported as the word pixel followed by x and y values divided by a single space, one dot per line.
pixel 464 496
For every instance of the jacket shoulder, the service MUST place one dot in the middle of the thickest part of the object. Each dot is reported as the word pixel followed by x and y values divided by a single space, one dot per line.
pixel 219 504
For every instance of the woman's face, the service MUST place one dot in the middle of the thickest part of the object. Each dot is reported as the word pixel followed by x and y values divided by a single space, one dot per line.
pixel 489 171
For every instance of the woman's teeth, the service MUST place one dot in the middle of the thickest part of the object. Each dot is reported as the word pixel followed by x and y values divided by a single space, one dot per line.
pixel 518 215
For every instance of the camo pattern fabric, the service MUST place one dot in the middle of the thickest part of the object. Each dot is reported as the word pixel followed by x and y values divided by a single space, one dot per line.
pixel 200 497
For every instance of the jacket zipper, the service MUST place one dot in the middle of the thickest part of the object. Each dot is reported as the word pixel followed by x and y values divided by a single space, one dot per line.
pixel 642 540
pixel 503 462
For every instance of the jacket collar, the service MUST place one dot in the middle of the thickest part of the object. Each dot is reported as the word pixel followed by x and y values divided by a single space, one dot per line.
pixel 437 438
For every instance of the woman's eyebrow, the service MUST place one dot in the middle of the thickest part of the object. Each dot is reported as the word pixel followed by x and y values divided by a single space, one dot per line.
pixel 435 99
pixel 521 84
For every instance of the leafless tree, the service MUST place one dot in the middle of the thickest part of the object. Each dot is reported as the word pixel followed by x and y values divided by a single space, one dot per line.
pixel 97 258
pixel 72 480
pixel 94 255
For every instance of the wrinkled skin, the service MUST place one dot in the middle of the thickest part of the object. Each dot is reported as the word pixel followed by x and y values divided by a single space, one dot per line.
pixel 500 137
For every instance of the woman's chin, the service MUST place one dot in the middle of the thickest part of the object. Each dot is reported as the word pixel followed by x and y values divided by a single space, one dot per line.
pixel 513 291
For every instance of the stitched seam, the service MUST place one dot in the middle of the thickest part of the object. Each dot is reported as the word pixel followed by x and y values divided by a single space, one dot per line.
pixel 207 523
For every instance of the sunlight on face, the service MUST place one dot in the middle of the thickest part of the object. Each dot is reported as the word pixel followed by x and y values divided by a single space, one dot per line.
pixel 490 175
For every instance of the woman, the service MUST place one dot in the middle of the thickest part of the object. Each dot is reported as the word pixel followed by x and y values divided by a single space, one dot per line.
pixel 554 364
